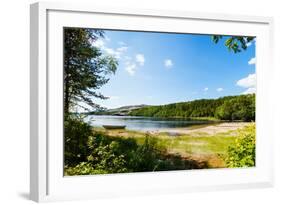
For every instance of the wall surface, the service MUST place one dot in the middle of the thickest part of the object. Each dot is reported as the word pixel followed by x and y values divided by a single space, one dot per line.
pixel 14 102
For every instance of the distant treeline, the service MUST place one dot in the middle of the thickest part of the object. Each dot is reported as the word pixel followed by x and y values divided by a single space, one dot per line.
pixel 232 108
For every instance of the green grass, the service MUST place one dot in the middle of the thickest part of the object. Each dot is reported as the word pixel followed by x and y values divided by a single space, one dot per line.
pixel 194 145
pixel 197 142
pixel 201 144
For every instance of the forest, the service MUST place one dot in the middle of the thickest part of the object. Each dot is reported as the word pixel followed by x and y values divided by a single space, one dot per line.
pixel 230 108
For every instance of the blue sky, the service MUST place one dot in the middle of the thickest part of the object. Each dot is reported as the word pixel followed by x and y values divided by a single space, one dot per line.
pixel 162 68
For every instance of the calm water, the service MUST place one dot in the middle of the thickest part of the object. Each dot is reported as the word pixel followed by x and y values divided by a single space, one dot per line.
pixel 140 123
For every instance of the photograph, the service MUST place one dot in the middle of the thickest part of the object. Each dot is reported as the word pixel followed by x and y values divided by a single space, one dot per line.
pixel 149 101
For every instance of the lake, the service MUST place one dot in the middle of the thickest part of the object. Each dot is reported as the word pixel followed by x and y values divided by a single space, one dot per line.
pixel 141 123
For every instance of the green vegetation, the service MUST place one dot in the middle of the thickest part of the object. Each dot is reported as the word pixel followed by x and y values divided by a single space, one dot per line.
pixel 235 43
pixel 229 108
pixel 243 152
pixel 86 68
pixel 103 154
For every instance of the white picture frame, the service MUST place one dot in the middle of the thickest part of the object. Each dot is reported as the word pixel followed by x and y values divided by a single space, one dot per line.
pixel 47 182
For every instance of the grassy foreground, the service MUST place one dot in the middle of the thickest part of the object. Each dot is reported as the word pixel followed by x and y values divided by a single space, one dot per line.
pixel 207 150
pixel 103 151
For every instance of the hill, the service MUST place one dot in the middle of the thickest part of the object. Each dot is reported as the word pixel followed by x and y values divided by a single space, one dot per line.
pixel 232 108
pixel 121 111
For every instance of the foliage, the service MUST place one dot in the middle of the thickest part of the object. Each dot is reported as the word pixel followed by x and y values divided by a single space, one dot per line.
pixel 76 134
pixel 85 67
pixel 83 168
pixel 106 156
pixel 243 152
pixel 85 70
pixel 234 43
pixel 98 153
pixel 239 108
pixel 227 108
pixel 146 157
pixel 84 152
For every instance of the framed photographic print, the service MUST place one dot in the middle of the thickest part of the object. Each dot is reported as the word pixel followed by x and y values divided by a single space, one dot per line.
pixel 128 101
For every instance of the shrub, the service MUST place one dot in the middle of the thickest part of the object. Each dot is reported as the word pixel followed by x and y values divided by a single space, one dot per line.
pixel 243 152
pixel 117 155
pixel 147 157
pixel 83 168
pixel 105 157
pixel 76 135
pixel 86 152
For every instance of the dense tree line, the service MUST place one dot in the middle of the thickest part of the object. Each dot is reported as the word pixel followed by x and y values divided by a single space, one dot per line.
pixel 230 108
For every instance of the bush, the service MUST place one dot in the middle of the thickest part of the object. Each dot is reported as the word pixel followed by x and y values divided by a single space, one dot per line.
pixel 117 155
pixel 83 168
pixel 147 157
pixel 243 152
pixel 105 157
pixel 86 152
pixel 76 135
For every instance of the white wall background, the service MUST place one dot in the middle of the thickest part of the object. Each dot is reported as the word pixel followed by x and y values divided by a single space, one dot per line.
pixel 14 101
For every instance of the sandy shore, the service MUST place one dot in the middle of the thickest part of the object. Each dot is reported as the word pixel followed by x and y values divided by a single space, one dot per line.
pixel 210 130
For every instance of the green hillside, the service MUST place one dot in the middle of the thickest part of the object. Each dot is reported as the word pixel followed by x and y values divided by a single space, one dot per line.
pixel 230 108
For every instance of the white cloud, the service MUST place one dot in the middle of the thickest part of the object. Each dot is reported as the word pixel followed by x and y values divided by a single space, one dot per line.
pixel 249 91
pixel 168 63
pixel 114 97
pixel 127 58
pixel 252 61
pixel 117 53
pixel 132 64
pixel 206 89
pixel 248 44
pixel 110 51
pixel 122 49
pixel 131 68
pixel 140 59
pixel 249 81
pixel 106 38
pixel 98 43
pixel 219 89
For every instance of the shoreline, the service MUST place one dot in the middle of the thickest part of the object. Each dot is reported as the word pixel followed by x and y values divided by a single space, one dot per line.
pixel 196 130
pixel 208 129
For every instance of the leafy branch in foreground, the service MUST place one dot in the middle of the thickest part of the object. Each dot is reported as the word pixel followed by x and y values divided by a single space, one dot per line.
pixel 234 43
